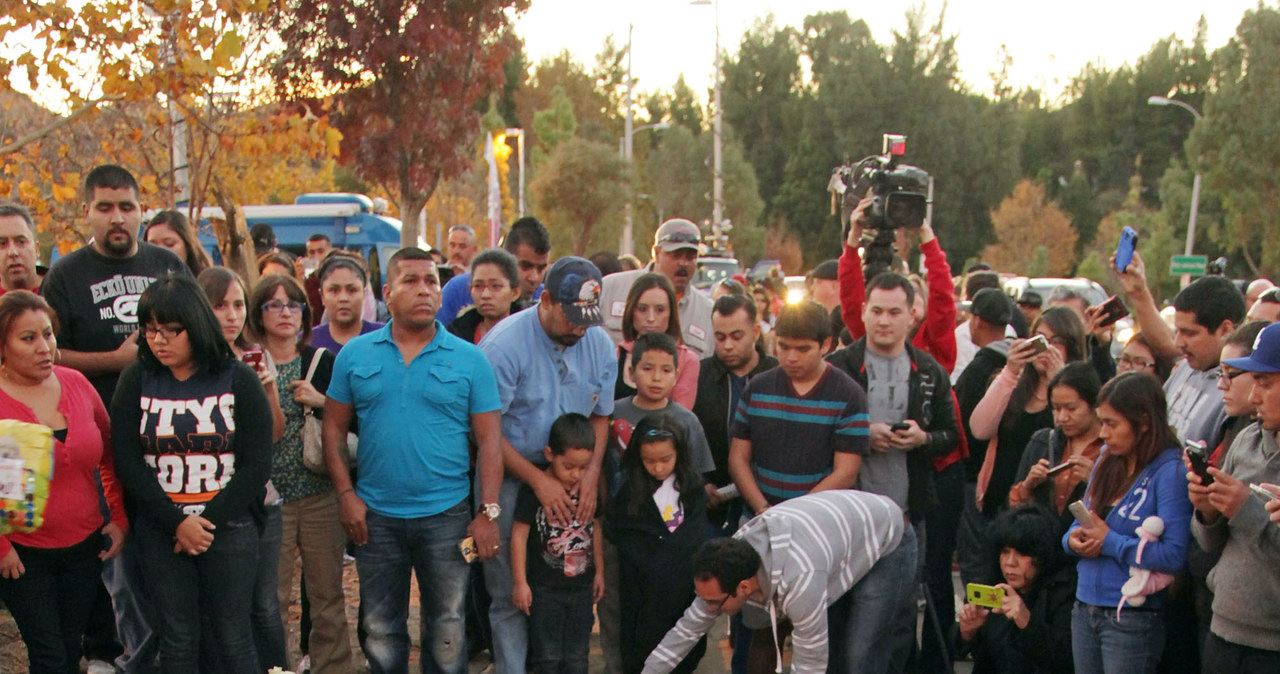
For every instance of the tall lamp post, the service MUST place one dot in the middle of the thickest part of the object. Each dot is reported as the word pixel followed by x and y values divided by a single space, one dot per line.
pixel 1195 186
pixel 626 246
pixel 717 176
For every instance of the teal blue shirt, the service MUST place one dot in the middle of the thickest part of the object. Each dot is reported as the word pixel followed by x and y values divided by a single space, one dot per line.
pixel 414 418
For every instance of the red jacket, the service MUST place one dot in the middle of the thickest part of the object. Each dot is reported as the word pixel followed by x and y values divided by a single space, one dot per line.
pixel 72 511
pixel 936 335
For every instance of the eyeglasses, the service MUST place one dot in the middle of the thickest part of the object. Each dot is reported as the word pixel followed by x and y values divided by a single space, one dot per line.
pixel 1136 363
pixel 166 331
pixel 277 307
pixel 1228 376
pixel 714 605
pixel 492 286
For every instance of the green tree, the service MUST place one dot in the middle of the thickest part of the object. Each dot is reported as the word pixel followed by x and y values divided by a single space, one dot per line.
pixel 1237 145
pixel 555 124
pixel 579 193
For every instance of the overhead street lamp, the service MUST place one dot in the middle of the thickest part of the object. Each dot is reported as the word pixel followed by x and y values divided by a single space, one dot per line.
pixel 626 246
pixel 1195 187
pixel 717 176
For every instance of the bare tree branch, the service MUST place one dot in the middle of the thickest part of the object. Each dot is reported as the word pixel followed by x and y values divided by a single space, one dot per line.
pixel 56 124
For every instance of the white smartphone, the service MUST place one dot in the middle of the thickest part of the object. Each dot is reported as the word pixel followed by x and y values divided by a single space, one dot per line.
pixel 1081 513
pixel 1262 494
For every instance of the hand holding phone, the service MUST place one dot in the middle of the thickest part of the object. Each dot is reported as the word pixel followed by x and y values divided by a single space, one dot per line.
pixel 252 357
pixel 1081 512
pixel 984 595
pixel 1263 495
pixel 1125 248
pixel 1036 345
pixel 1059 468
pixel 1198 457
pixel 900 426
pixel 1112 310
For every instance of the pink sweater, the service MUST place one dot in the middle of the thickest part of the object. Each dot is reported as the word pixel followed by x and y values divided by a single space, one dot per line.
pixel 72 511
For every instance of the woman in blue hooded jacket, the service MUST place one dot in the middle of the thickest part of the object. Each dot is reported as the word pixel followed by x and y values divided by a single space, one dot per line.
pixel 1138 474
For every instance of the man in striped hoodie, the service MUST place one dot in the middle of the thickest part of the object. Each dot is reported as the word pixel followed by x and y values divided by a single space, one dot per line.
pixel 826 566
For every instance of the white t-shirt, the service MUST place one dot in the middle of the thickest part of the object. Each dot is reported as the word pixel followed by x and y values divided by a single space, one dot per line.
pixel 667 499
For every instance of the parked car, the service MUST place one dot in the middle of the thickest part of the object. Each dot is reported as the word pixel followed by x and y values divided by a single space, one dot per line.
pixel 712 270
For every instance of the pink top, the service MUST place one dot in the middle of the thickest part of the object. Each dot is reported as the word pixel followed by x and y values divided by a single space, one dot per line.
pixel 687 367
pixel 72 511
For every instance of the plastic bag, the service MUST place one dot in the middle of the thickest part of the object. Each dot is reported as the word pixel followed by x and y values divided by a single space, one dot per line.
pixel 26 468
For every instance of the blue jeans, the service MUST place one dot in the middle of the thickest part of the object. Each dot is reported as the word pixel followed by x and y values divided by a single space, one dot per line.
pixel 509 625
pixel 217 585
pixel 428 547
pixel 1100 644
pixel 560 621
pixel 52 600
pixel 264 615
pixel 862 623
pixel 134 609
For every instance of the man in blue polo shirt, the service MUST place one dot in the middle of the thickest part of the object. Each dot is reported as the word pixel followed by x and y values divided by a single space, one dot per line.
pixel 417 391
pixel 549 360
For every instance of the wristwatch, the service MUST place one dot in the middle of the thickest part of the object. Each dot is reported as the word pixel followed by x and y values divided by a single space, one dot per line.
pixel 491 510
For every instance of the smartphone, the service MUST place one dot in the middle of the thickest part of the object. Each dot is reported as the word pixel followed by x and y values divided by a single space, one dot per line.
pixel 1081 512
pixel 900 426
pixel 1198 457
pixel 984 595
pixel 468 549
pixel 1059 468
pixel 1112 310
pixel 252 357
pixel 1262 494
pixel 1038 344
pixel 1124 249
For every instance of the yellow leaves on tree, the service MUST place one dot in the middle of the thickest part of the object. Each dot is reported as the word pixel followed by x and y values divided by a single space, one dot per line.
pixel 1025 222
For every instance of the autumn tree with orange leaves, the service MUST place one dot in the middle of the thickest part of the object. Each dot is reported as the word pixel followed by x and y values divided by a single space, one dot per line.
pixel 1033 236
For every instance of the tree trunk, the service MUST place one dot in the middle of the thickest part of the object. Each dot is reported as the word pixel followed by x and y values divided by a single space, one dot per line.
pixel 410 212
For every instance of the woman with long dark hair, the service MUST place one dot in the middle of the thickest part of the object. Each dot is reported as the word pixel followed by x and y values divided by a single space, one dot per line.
pixel 226 292
pixel 280 316
pixel 1016 404
pixel 192 438
pixel 651 307
pixel 1074 439
pixel 49 577
pixel 1138 475
pixel 172 230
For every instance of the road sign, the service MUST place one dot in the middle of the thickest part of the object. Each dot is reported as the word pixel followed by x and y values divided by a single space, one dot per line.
pixel 1188 264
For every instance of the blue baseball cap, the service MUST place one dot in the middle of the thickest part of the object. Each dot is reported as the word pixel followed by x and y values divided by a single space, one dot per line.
pixel 574 284
pixel 1266 352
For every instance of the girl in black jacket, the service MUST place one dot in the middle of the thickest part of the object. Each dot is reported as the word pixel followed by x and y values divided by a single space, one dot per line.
pixel 657 520
pixel 1030 632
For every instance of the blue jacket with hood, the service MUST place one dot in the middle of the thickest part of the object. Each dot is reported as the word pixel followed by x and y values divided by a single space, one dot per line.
pixel 1160 489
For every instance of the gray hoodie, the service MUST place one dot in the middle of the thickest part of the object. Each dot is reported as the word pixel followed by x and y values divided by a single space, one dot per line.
pixel 813 549
pixel 1245 585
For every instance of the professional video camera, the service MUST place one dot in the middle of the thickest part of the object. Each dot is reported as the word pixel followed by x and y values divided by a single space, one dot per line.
pixel 901 195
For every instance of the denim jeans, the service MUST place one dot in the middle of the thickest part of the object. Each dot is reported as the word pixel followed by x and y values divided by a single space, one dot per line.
pixel 217 584
pixel 862 623
pixel 134 609
pixel 560 621
pixel 428 547
pixel 1101 644
pixel 941 525
pixel 52 600
pixel 264 614
pixel 509 625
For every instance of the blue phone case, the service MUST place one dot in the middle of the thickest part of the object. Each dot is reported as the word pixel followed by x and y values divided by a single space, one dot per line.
pixel 1124 249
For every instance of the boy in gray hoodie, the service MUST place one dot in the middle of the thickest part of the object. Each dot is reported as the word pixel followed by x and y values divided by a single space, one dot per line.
pixel 826 562
pixel 1245 631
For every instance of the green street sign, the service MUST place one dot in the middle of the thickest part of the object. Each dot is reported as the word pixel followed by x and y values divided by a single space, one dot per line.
pixel 1188 264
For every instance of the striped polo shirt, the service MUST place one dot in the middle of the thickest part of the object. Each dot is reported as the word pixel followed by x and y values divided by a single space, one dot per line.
pixel 794 438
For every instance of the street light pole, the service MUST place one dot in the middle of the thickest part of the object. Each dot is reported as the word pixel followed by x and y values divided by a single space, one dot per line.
pixel 717 130
pixel 1195 185
pixel 626 245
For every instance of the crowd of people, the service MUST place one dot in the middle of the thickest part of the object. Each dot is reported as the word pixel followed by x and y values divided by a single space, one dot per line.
pixel 551 443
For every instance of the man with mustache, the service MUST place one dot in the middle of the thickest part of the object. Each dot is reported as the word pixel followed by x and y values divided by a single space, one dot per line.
pixel 549 360
pixel 95 290
pixel 675 255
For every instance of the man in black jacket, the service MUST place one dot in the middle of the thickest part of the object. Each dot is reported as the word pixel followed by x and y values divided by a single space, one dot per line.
pixel 912 416
pixel 721 381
